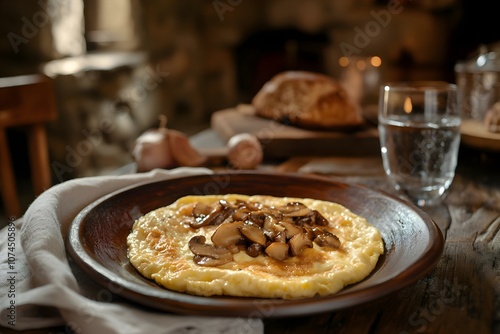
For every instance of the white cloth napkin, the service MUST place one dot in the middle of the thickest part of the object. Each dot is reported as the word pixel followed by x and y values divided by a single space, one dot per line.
pixel 38 284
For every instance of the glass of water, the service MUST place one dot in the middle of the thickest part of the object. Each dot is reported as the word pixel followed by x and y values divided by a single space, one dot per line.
pixel 419 138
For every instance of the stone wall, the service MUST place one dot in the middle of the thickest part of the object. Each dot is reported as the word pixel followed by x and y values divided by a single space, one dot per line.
pixel 218 53
pixel 201 56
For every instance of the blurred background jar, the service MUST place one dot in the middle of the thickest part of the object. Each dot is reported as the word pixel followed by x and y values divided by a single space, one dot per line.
pixel 478 80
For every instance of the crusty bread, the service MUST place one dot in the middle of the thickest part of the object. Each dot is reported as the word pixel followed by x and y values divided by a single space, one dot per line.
pixel 308 100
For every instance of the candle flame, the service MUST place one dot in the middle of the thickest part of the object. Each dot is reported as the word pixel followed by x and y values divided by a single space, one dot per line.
pixel 344 61
pixel 375 61
pixel 361 65
pixel 407 105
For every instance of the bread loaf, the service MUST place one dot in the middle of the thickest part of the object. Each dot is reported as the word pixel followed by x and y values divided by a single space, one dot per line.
pixel 308 100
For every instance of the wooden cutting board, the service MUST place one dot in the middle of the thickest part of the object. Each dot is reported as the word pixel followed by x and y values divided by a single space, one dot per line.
pixel 284 141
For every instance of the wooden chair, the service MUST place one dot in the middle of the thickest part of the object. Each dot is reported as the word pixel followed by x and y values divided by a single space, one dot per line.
pixel 29 102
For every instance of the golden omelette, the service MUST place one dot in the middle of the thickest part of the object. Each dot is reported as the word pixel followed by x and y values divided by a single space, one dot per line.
pixel 254 246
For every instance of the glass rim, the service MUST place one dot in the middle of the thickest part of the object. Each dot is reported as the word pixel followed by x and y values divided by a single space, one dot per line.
pixel 423 85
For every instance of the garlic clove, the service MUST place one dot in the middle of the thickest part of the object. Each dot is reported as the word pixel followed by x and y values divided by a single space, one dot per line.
pixel 244 151
pixel 182 150
pixel 151 150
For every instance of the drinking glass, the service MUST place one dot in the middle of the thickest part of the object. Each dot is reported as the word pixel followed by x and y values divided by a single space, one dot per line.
pixel 419 138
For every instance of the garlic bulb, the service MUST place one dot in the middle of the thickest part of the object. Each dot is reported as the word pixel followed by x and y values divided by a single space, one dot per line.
pixel 152 150
pixel 164 148
pixel 244 151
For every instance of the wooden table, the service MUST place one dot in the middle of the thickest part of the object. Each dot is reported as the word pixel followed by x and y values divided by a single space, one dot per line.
pixel 461 294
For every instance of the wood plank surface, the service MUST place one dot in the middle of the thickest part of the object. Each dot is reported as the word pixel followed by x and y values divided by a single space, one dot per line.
pixel 284 141
pixel 461 294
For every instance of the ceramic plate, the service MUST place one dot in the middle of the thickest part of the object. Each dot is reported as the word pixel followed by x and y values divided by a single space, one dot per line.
pixel 97 241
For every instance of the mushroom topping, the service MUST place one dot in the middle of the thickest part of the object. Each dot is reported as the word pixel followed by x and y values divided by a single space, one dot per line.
pixel 207 261
pixel 254 250
pixel 299 213
pixel 319 219
pixel 258 229
pixel 253 233
pixel 252 206
pixel 227 234
pixel 298 243
pixel 257 217
pixel 234 249
pixel 271 224
pixel 201 210
pixel 277 250
pixel 291 207
pixel 221 212
pixel 280 237
pixel 208 255
pixel 312 218
pixel 310 232
pixel 327 239
pixel 241 214
pixel 291 229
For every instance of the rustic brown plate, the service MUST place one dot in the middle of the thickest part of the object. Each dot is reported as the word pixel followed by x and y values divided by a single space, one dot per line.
pixel 97 241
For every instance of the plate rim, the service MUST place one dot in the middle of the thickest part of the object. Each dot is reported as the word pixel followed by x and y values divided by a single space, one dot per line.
pixel 282 308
